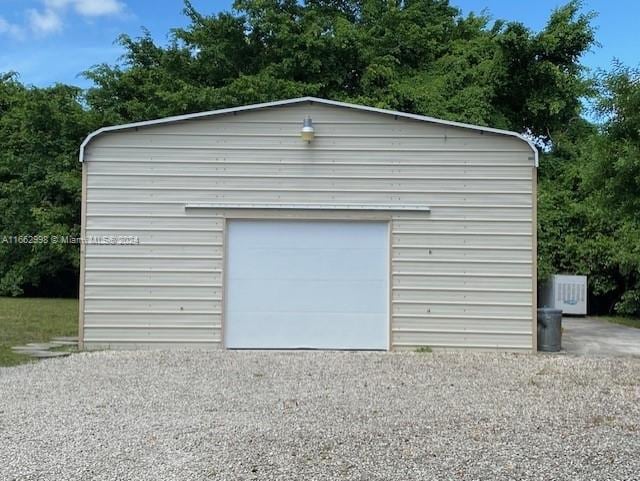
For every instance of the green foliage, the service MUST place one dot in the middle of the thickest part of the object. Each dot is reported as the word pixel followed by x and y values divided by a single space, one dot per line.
pixel 544 86
pixel 40 184
pixel 424 350
pixel 612 182
pixel 590 198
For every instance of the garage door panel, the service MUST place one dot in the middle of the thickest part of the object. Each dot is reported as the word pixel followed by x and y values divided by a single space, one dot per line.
pixel 310 330
pixel 327 296
pixel 307 284
pixel 305 234
pixel 310 264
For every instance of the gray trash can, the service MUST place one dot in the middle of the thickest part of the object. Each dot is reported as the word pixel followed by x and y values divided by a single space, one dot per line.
pixel 549 329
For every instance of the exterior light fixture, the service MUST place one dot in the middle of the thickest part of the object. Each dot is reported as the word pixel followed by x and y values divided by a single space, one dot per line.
pixel 307 133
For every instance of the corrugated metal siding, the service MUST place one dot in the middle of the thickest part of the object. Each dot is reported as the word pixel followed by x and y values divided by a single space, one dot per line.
pixel 461 275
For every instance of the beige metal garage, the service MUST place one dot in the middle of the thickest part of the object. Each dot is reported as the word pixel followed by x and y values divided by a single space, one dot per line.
pixel 308 223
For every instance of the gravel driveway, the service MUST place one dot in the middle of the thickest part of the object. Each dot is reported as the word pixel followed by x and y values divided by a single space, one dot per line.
pixel 320 415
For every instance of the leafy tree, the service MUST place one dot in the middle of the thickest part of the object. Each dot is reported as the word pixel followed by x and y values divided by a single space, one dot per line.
pixel 39 183
pixel 612 181
pixel 590 198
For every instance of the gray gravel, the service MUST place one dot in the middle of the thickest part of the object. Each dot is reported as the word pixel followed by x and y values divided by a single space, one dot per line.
pixel 314 415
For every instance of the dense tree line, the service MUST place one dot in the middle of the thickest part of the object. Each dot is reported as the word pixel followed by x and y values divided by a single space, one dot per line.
pixel 419 56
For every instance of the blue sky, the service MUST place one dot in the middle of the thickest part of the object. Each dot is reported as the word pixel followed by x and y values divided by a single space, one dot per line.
pixel 48 41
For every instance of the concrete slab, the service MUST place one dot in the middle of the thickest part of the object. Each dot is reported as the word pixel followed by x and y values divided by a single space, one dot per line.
pixel 48 354
pixel 64 343
pixel 30 347
pixel 587 336
pixel 40 345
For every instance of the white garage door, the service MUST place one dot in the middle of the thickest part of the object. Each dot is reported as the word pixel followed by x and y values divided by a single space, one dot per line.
pixel 307 284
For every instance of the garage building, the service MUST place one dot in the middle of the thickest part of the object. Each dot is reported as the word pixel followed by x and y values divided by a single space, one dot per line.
pixel 308 223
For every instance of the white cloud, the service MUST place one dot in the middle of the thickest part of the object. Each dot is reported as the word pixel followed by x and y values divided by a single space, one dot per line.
pixel 10 28
pixel 88 8
pixel 95 8
pixel 45 22
pixel 50 18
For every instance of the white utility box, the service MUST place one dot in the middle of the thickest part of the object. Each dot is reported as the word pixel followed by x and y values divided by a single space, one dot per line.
pixel 565 292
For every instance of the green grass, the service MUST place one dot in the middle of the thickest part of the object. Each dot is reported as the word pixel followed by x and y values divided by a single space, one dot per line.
pixel 424 349
pixel 623 320
pixel 24 320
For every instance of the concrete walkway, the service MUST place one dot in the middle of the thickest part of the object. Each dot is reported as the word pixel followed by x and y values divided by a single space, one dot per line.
pixel 593 337
pixel 44 350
